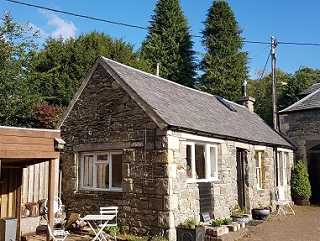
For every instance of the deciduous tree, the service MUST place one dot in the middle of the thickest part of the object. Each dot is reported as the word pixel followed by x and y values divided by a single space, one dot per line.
pixel 17 95
pixel 62 65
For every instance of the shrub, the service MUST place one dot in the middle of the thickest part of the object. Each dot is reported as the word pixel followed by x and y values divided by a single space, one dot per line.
pixel 300 183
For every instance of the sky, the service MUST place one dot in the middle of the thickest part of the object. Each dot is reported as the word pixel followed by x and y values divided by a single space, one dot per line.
pixel 289 21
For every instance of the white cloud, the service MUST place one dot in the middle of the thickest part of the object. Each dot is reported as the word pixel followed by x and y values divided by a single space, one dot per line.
pixel 61 27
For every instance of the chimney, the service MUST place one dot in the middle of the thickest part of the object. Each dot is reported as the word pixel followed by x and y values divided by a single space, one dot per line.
pixel 245 100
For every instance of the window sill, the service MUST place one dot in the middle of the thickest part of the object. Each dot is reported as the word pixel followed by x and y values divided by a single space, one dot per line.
pixel 91 193
pixel 203 180
pixel 100 190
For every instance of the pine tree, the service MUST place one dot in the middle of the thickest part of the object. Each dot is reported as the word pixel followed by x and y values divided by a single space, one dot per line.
pixel 224 66
pixel 169 43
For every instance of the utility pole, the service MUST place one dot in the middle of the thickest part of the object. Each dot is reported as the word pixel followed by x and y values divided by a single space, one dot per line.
pixel 274 86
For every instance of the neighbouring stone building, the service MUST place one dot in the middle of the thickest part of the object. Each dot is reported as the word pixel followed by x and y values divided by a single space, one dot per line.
pixel 301 123
pixel 163 152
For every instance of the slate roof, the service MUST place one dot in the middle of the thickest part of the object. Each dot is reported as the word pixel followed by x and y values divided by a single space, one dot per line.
pixel 311 89
pixel 311 101
pixel 187 109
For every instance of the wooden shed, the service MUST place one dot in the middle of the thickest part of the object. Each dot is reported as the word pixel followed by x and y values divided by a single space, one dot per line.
pixel 20 148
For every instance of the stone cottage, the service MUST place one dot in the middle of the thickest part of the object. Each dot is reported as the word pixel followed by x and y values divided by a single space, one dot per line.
pixel 301 123
pixel 163 152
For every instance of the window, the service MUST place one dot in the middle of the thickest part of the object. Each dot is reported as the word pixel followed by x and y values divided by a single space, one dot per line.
pixel 283 168
pixel 259 169
pixel 202 161
pixel 101 171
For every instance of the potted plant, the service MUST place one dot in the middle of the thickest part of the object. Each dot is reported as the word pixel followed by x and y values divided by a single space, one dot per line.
pixel 300 184
pixel 190 229
pixel 217 222
pixel 261 212
pixel 227 221
pixel 238 214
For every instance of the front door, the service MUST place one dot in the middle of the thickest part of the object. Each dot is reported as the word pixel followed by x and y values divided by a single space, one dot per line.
pixel 314 173
pixel 241 157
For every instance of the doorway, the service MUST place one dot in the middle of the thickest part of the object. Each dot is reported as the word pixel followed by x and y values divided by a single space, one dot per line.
pixel 241 159
pixel 314 173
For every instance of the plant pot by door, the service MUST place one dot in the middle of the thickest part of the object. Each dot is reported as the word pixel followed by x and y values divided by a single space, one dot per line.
pixel 301 201
pixel 243 219
pixel 190 234
pixel 260 214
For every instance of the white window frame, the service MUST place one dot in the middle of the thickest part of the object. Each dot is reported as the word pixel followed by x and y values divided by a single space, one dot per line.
pixel 94 172
pixel 208 167
pixel 282 168
pixel 259 170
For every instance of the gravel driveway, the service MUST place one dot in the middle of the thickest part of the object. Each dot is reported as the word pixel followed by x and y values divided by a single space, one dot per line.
pixel 305 226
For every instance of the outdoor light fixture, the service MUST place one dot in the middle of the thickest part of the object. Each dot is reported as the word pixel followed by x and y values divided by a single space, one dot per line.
pixel 59 144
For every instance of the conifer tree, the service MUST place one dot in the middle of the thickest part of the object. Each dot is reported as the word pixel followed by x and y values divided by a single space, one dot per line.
pixel 224 66
pixel 169 43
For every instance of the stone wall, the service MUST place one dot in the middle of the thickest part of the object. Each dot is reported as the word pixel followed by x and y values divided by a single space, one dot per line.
pixel 303 128
pixel 225 190
pixel 106 118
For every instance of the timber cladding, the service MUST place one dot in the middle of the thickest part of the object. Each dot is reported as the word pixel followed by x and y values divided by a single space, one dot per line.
pixel 25 143
pixel 23 153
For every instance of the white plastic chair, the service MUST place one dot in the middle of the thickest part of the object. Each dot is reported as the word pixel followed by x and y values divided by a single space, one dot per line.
pixel 284 203
pixel 58 234
pixel 111 211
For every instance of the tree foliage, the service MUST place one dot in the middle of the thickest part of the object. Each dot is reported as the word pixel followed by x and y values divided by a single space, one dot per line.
pixel 62 65
pixel 299 81
pixel 47 115
pixel 288 88
pixel 261 90
pixel 17 95
pixel 169 43
pixel 224 65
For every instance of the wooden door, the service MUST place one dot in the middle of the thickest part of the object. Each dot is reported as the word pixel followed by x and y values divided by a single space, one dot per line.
pixel 314 174
pixel 241 155
pixel 10 188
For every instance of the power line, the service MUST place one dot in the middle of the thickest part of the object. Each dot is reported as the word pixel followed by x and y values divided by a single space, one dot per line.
pixel 301 44
pixel 145 28
pixel 265 66
pixel 260 52
pixel 77 15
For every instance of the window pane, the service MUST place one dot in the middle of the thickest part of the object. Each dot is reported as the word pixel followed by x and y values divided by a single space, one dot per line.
pixel 116 170
pixel 102 175
pixel 259 169
pixel 189 156
pixel 103 157
pixel 200 161
pixel 281 177
pixel 88 171
pixel 213 162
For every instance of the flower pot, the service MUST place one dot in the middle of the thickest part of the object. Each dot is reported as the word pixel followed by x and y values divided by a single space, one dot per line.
pixel 260 214
pixel 189 234
pixel 301 201
pixel 243 219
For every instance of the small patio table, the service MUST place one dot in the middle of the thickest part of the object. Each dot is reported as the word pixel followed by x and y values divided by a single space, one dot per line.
pixel 98 221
